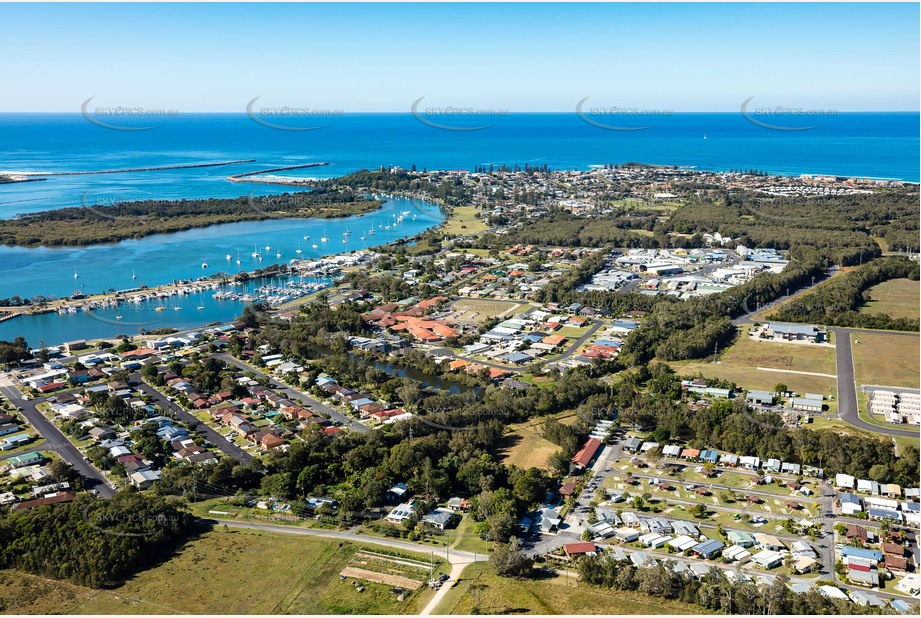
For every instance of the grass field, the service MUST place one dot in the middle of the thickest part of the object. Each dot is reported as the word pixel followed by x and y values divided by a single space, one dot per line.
pixel 224 572
pixel 739 363
pixel 463 221
pixel 886 359
pixel 551 595
pixel 897 297
pixel 524 447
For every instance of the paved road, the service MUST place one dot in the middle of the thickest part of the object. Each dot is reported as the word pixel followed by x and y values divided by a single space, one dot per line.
pixel 745 319
pixel 847 386
pixel 291 393
pixel 56 441
pixel 220 442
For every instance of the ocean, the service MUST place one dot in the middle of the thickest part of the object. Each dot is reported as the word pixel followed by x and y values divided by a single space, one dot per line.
pixel 877 145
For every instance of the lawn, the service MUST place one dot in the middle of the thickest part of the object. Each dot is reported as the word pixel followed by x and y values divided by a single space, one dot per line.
pixel 224 572
pixel 897 297
pixel 886 359
pixel 463 221
pixel 551 595
pixel 739 363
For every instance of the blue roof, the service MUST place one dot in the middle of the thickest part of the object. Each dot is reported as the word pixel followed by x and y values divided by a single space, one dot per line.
pixel 859 552
pixel 900 606
pixel 895 515
pixel 708 547
pixel 847 498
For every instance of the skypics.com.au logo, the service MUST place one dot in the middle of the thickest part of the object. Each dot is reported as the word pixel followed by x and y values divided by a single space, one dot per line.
pixel 123 118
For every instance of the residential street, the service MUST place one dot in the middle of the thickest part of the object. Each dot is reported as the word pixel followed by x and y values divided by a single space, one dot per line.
pixel 292 393
pixel 220 442
pixel 55 440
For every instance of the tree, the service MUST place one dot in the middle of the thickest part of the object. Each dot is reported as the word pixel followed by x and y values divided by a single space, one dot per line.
pixel 509 561
pixel 780 387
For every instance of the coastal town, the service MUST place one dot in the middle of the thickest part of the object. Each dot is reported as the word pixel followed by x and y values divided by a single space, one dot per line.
pixel 390 337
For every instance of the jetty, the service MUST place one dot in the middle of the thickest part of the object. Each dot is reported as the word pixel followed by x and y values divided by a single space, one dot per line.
pixel 246 176
pixel 127 170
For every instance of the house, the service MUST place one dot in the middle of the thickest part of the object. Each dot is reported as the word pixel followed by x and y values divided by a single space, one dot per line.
pixel 401 513
pixel 769 542
pixel 550 520
pixel 632 445
pixel 601 530
pixel 29 459
pixel 626 535
pixel 768 559
pixel 440 518
pixel 750 463
pixel 864 578
pixel 458 504
pixel 708 549
pixel 740 538
pixel 850 504
pixel 853 531
pixel 575 550
pixel 871 555
pixel 844 481
pixel 54 498
pixel 143 479
pixel 804 564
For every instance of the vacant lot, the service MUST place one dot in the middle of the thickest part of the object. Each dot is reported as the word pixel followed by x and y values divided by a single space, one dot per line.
pixel 477 310
pixel 463 221
pixel 898 298
pixel 885 359
pixel 552 595
pixel 740 362
pixel 524 447
pixel 223 572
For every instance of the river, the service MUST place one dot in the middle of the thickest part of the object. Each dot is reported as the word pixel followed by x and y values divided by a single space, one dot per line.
pixel 163 258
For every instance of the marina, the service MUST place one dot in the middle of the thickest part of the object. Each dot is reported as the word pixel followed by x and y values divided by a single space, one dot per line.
pixel 178 262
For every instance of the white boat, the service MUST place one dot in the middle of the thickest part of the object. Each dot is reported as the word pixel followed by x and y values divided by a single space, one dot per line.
pixel 314 246
pixel 76 276
pixel 405 212
pixel 238 257
pixel 324 239
pixel 201 307
pixel 133 275
pixel 298 250
pixel 255 252
pixel 362 237
pixel 306 237
pixel 118 316
pixel 371 232
pixel 278 254
pixel 268 247
pixel 229 257
pixel 204 264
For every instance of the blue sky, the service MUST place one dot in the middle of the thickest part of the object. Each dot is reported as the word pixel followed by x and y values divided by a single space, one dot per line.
pixel 516 57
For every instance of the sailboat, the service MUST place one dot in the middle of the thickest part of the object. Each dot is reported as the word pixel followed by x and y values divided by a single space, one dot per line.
pixel 298 250
pixel 76 276
pixel 204 264
pixel 306 237
pixel 278 254
pixel 324 238
pixel 314 246
pixel 118 316
pixel 705 136
pixel 268 247
pixel 238 257
pixel 255 252
pixel 201 303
